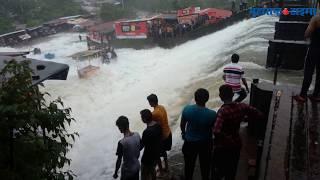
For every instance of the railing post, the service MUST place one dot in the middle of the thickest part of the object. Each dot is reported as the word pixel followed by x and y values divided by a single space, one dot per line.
pixel 275 77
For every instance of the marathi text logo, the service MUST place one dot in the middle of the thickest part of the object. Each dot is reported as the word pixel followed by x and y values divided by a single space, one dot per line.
pixel 254 12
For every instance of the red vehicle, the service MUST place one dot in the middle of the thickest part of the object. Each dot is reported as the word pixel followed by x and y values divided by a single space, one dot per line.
pixel 132 29
pixel 193 14
pixel 214 15
pixel 187 15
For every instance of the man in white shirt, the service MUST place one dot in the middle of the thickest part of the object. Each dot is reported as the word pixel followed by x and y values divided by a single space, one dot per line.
pixel 233 74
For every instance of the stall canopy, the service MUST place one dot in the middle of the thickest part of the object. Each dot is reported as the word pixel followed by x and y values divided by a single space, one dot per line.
pixel 167 16
pixel 43 70
pixel 106 28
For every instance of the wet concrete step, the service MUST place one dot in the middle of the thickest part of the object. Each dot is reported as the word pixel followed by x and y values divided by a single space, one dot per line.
pixel 287 54
pixel 304 147
pixel 314 140
pixel 297 147
pixel 291 147
pixel 274 156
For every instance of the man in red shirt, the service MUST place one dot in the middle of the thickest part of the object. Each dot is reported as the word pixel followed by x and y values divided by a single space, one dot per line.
pixel 227 142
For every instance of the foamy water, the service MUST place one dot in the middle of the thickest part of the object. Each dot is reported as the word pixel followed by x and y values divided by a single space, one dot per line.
pixel 121 87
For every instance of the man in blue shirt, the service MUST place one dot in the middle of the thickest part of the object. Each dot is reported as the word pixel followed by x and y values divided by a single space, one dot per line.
pixel 196 125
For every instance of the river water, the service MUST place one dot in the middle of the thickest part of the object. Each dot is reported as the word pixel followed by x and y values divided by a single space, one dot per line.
pixel 121 87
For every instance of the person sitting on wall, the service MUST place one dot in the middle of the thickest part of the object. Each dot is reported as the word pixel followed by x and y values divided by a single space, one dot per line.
pixel 227 141
pixel 233 74
pixel 129 150
pixel 312 62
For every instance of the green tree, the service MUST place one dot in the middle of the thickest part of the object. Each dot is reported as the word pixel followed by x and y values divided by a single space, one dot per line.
pixel 5 25
pixel 35 12
pixel 109 12
pixel 33 135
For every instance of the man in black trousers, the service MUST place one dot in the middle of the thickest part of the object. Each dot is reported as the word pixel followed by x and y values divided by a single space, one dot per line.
pixel 312 62
pixel 196 128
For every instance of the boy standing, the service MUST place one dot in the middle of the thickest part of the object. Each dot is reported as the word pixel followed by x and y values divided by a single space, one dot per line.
pixel 128 150
pixel 151 140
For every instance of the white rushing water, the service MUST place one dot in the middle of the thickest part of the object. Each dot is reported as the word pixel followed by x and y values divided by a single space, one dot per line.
pixel 121 87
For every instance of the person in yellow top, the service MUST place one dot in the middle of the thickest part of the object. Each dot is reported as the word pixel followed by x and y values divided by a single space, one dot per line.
pixel 159 115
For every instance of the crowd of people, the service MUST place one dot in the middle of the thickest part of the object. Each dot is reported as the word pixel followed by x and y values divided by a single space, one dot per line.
pixel 162 30
pixel 213 136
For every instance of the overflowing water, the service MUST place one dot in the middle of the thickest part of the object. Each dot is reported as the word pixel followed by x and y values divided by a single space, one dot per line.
pixel 121 87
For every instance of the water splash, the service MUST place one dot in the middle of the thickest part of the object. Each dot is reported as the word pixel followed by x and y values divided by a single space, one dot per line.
pixel 121 87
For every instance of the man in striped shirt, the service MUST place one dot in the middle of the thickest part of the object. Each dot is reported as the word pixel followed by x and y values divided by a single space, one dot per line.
pixel 233 74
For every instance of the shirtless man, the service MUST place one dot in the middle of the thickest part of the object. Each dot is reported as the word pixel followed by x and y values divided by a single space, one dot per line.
pixel 312 62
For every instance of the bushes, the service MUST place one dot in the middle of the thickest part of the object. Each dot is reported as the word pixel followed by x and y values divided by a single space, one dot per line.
pixel 5 25
pixel 109 12
pixel 35 12
pixel 34 139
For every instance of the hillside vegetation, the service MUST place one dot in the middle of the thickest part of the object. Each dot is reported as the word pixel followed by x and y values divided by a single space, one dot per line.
pixel 34 12
pixel 112 12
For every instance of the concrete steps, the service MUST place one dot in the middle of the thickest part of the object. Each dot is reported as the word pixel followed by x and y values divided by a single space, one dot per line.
pixel 288 48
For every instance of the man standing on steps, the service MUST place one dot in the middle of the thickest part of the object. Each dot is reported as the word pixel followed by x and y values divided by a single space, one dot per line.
pixel 196 129
pixel 312 62
pixel 227 141
pixel 233 74
pixel 159 115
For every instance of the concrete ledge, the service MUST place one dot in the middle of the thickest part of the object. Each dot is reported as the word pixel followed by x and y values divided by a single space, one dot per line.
pixel 290 30
pixel 291 54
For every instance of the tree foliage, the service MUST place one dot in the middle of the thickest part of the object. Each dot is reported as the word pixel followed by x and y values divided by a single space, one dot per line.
pixel 109 12
pixel 35 12
pixel 164 5
pixel 33 135
pixel 5 25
